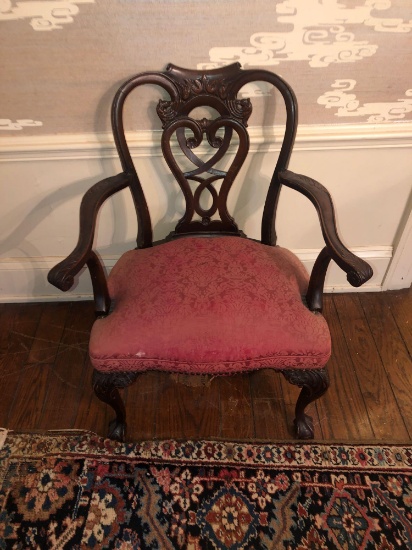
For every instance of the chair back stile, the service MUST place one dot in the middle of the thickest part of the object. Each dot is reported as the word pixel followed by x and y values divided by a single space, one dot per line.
pixel 216 89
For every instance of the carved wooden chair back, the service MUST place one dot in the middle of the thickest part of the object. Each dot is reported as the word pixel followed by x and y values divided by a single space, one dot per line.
pixel 217 89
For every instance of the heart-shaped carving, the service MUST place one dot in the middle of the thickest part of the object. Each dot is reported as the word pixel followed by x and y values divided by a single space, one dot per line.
pixel 210 129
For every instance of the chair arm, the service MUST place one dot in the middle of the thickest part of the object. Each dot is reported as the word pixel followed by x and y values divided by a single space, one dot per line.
pixel 62 275
pixel 357 270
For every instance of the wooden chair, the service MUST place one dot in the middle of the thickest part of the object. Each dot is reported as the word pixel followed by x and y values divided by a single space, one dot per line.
pixel 207 299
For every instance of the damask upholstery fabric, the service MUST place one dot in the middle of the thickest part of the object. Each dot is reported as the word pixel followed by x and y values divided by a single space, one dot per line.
pixel 209 305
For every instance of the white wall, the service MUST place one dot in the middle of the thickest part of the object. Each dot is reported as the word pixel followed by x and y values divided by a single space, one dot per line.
pixel 366 168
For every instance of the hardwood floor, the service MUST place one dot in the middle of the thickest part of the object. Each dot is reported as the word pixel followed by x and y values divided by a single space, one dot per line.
pixel 45 380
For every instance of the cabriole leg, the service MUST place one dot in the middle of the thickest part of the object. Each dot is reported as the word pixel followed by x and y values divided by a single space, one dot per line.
pixel 106 387
pixel 314 384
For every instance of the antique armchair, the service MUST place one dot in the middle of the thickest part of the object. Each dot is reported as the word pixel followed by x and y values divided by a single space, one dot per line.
pixel 207 299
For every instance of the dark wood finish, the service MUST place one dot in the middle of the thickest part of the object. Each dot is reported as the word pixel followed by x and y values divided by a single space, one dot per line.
pixel 394 354
pixel 17 375
pixel 216 90
pixel 383 408
pixel 188 406
pixel 62 275
pixel 45 346
pixel 270 402
pixel 290 395
pixel 91 411
pixel 235 401
pixel 106 387
pixel 357 270
pixel 346 411
pixel 142 397
pixel 314 296
pixel 66 379
pixel 314 384
pixel 342 411
pixel 187 90
pixel 400 304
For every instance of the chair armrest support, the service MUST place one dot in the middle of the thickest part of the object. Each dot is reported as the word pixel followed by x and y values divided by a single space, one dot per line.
pixel 314 295
pixel 357 270
pixel 62 275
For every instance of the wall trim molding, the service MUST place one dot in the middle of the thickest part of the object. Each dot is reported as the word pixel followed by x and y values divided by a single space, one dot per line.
pixel 147 143
pixel 399 274
pixel 26 269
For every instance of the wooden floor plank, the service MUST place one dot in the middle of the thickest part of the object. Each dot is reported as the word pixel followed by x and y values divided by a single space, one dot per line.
pixel 7 315
pixel 384 414
pixel 66 378
pixel 11 368
pixel 30 397
pixel 141 405
pixel 13 364
pixel 269 412
pixel 342 410
pixel 400 303
pixel 392 349
pixel 49 333
pixel 236 407
pixel 11 361
pixel 187 411
pixel 92 414
pixel 269 417
pixel 25 323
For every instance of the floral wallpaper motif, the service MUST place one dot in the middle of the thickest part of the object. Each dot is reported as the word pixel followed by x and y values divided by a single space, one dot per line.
pixel 7 124
pixel 43 15
pixel 347 60
pixel 347 104
pixel 318 34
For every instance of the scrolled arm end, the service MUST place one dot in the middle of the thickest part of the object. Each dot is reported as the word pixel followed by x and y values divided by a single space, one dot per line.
pixel 62 275
pixel 363 272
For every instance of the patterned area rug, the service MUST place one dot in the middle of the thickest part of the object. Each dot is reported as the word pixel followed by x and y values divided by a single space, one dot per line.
pixel 77 490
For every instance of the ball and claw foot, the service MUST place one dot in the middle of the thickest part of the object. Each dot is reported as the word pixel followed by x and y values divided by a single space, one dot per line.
pixel 314 383
pixel 304 427
pixel 117 431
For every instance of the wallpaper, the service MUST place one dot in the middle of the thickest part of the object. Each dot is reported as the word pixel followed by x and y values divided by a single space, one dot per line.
pixel 62 61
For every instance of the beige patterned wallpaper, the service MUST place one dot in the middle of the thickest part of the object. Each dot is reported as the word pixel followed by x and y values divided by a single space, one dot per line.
pixel 61 61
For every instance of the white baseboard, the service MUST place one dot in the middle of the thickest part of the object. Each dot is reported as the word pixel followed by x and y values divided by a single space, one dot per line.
pixel 25 279
pixel 399 274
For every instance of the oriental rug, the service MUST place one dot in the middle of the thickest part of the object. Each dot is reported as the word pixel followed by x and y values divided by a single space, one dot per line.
pixel 78 490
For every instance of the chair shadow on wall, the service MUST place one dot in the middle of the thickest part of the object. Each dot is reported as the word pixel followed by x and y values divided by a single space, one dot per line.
pixel 19 237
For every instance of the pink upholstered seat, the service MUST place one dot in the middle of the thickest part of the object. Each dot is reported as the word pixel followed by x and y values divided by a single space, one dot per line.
pixel 209 305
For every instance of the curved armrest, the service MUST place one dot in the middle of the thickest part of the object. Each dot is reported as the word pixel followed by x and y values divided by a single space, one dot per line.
pixel 357 270
pixel 62 274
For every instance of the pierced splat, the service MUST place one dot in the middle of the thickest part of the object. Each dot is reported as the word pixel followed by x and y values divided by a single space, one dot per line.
pixel 214 90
